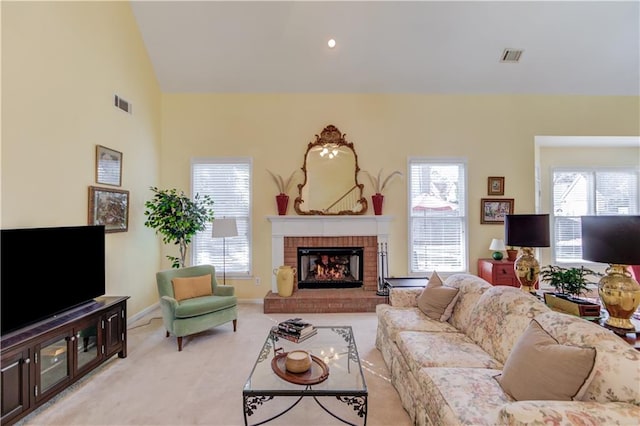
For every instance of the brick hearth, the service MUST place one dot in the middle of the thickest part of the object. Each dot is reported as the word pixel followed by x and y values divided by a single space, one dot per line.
pixel 311 300
pixel 329 300
pixel 290 232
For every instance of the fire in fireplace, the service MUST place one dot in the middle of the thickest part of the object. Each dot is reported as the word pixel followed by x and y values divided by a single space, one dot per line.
pixel 330 267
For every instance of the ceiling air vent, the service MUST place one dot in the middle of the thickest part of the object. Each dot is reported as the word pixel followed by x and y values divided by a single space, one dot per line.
pixel 511 55
pixel 122 104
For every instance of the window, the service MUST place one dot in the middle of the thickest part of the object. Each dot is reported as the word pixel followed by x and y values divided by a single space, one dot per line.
pixel 437 216
pixel 228 182
pixel 582 192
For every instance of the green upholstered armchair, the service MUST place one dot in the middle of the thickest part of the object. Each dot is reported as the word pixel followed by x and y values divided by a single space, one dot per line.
pixel 190 316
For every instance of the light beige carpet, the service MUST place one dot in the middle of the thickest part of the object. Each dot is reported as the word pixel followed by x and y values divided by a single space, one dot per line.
pixel 202 385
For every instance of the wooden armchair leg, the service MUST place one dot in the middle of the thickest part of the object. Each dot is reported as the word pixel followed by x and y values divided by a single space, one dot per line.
pixel 235 323
pixel 180 344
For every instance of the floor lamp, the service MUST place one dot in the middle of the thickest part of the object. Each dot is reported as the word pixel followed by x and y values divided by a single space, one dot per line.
pixel 223 228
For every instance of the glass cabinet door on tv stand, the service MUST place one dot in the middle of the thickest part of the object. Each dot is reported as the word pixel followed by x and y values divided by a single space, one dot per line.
pixel 53 363
pixel 66 355
pixel 88 351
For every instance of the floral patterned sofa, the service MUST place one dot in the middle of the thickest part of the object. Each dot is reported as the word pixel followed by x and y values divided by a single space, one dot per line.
pixel 446 373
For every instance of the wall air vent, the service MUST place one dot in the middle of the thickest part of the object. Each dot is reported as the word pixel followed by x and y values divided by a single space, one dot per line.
pixel 122 104
pixel 511 55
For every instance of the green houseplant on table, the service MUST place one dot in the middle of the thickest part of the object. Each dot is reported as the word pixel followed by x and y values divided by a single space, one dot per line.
pixel 568 281
pixel 570 284
pixel 177 218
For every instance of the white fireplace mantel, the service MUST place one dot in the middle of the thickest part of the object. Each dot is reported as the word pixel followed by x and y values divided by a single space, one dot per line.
pixel 322 226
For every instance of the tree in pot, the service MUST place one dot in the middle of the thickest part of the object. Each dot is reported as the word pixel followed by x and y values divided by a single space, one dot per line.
pixel 177 218
pixel 569 282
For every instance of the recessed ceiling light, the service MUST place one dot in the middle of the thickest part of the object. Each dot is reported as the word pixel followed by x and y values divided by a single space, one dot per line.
pixel 331 43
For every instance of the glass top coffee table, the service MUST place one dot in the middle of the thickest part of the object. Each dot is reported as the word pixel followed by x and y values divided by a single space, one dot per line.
pixel 336 347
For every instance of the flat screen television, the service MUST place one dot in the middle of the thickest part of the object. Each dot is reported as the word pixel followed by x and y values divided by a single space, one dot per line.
pixel 46 271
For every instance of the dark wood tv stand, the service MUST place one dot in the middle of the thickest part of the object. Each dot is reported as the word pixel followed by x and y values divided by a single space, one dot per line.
pixel 42 360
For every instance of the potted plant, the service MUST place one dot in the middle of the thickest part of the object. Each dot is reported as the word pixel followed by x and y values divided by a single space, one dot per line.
pixel 569 285
pixel 379 184
pixel 177 218
pixel 282 199
pixel 570 282
pixel 512 253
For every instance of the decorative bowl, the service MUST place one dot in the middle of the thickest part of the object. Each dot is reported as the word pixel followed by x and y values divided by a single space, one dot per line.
pixel 298 361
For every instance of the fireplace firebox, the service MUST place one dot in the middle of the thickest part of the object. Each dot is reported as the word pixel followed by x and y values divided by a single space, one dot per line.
pixel 330 267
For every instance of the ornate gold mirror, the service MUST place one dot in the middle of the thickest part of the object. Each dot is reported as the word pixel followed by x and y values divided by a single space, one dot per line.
pixel 330 185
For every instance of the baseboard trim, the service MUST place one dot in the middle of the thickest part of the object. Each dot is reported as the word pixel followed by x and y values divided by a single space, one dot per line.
pixel 252 301
pixel 132 319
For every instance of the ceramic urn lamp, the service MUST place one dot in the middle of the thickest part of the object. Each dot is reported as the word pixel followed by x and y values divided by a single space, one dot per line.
pixel 614 240
pixel 527 231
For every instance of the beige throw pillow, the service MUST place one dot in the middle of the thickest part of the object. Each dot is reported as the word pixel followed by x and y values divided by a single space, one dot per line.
pixel 190 287
pixel 436 300
pixel 539 368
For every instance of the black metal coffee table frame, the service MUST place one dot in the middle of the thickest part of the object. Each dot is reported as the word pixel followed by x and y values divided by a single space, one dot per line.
pixel 356 397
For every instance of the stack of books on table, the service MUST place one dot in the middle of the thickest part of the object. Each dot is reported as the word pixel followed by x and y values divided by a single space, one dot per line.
pixel 294 329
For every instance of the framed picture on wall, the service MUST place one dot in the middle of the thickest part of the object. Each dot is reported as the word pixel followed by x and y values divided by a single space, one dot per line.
pixel 109 207
pixel 108 166
pixel 493 210
pixel 495 185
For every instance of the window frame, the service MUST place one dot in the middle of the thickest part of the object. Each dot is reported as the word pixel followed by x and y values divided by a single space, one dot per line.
pixel 463 208
pixel 592 207
pixel 248 274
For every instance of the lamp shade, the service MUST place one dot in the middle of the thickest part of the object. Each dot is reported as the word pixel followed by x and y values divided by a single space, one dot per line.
pixel 497 244
pixel 527 230
pixel 611 239
pixel 225 227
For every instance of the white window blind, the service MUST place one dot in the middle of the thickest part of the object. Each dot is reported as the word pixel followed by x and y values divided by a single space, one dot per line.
pixel 588 192
pixel 228 182
pixel 437 216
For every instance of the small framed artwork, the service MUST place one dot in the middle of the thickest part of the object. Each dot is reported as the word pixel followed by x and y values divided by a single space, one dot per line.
pixel 493 210
pixel 108 166
pixel 109 207
pixel 495 185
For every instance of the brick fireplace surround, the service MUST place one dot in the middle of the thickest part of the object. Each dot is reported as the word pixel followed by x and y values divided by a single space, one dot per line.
pixel 291 232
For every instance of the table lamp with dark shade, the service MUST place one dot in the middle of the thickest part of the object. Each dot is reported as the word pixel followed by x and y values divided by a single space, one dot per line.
pixel 614 240
pixel 527 231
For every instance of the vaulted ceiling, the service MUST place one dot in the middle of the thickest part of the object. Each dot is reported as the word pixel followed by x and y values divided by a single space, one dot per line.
pixel 574 47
